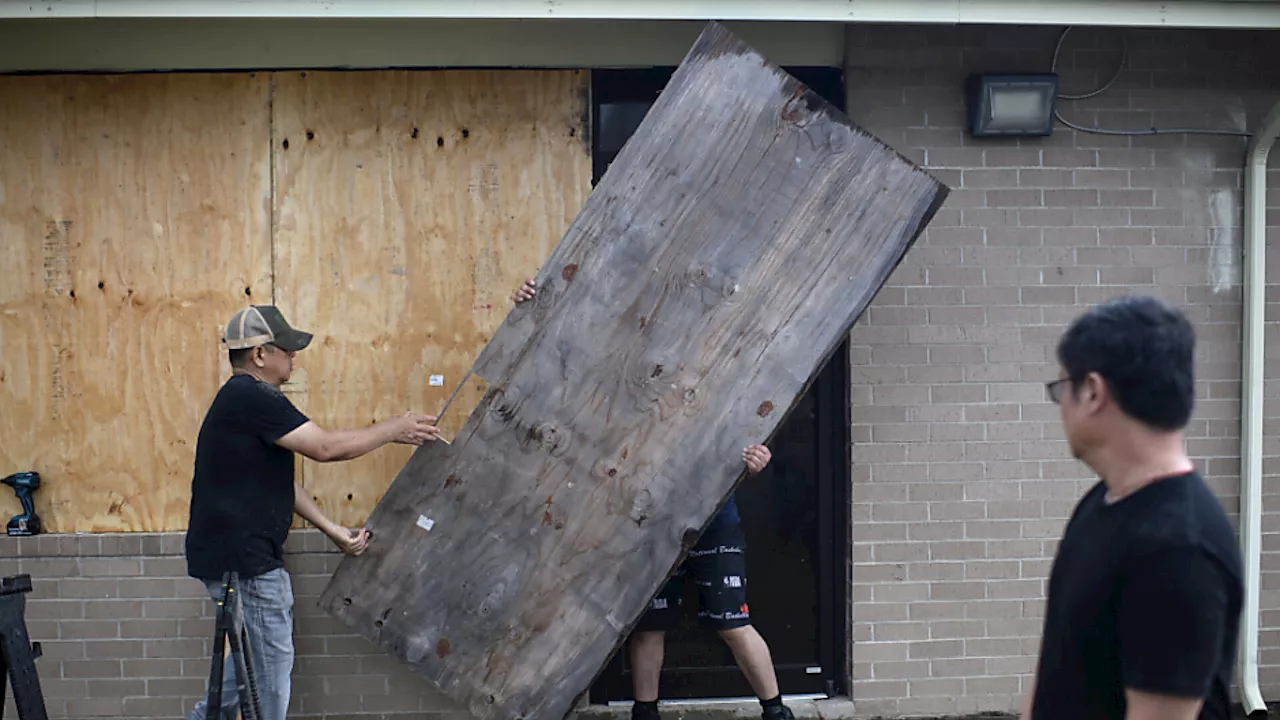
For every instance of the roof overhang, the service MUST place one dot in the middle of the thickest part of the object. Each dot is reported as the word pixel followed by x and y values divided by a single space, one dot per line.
pixel 1131 13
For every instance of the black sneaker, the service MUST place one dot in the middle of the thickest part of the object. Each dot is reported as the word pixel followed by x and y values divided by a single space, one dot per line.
pixel 778 712
pixel 645 711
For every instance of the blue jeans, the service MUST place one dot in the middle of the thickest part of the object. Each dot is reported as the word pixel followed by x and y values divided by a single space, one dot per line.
pixel 267 603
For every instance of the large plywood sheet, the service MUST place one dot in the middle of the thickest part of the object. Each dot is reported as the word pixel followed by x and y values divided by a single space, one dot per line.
pixel 728 250
pixel 134 219
pixel 409 205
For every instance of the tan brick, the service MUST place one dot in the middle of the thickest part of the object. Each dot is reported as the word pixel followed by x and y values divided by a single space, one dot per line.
pixel 968 590
pixel 874 652
pixel 938 610
pixel 936 531
pixel 935 413
pixel 903 670
pixel 900 631
pixel 95 707
pixel 993 570
pixel 935 649
pixel 113 649
pixel 933 374
pixel 110 567
pixel 90 629
pixel 154 668
pixel 900 552
pixel 957 629
pixel 957 510
pixel 116 687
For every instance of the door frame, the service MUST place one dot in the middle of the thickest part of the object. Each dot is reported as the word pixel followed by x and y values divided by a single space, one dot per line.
pixel 833 406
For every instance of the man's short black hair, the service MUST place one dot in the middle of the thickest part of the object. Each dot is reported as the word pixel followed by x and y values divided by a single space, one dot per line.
pixel 1145 350
pixel 239 358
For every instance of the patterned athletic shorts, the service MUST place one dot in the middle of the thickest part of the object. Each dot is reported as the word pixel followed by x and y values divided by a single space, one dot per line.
pixel 718 566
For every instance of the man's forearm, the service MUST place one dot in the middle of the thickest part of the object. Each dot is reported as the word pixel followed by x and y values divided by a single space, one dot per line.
pixel 305 506
pixel 351 444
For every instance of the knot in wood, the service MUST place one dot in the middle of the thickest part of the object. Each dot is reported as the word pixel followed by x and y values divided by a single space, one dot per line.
pixel 802 103
pixel 546 437
pixel 568 272
pixel 503 405
pixel 765 408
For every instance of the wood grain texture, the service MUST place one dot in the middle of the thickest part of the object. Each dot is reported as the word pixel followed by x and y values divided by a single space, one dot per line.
pixel 729 248
pixel 134 220
pixel 409 205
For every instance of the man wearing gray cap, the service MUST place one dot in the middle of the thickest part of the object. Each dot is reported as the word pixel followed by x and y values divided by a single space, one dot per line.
pixel 243 494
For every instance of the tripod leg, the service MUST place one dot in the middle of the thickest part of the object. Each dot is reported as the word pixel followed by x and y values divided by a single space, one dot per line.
pixel 251 677
pixel 214 702
pixel 4 680
pixel 19 659
pixel 246 683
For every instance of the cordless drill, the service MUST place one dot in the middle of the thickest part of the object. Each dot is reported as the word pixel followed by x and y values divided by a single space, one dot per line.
pixel 24 484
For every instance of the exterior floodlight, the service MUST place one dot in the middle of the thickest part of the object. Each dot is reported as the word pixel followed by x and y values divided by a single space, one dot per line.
pixel 1011 105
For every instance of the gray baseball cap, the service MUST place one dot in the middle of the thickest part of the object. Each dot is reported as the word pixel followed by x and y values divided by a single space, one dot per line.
pixel 261 324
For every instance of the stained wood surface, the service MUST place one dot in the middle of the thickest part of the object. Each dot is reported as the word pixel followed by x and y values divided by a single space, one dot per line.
pixel 134 220
pixel 729 248
pixel 408 206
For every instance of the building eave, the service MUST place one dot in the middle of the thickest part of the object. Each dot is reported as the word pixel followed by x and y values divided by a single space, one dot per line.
pixel 1131 13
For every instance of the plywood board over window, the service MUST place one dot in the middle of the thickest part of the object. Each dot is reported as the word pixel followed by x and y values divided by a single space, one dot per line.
pixel 409 205
pixel 134 219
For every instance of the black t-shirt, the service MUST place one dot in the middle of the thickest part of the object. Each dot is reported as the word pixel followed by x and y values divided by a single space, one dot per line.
pixel 1144 594
pixel 242 492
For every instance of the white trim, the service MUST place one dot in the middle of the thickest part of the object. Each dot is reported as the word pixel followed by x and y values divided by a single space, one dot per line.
pixel 1254 377
pixel 1157 13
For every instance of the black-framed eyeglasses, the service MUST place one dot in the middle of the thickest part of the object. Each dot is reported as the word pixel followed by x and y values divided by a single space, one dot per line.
pixel 1055 389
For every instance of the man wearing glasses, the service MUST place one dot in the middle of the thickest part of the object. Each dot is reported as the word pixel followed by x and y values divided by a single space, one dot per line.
pixel 243 494
pixel 1145 592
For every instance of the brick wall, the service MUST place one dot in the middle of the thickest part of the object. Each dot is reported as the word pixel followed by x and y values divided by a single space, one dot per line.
pixel 127 635
pixel 961 480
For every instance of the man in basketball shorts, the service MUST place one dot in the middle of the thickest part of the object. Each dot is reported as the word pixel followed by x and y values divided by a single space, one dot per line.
pixel 718 565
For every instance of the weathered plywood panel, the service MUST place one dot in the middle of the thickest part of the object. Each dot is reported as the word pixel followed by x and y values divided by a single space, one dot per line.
pixel 134 219
pixel 409 205
pixel 732 244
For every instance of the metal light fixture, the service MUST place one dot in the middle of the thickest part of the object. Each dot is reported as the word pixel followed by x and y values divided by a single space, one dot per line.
pixel 1011 105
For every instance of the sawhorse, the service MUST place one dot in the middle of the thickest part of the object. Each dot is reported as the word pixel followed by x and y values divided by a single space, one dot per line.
pixel 229 627
pixel 17 653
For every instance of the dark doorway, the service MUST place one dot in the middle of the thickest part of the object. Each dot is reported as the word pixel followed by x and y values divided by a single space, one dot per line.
pixel 795 513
